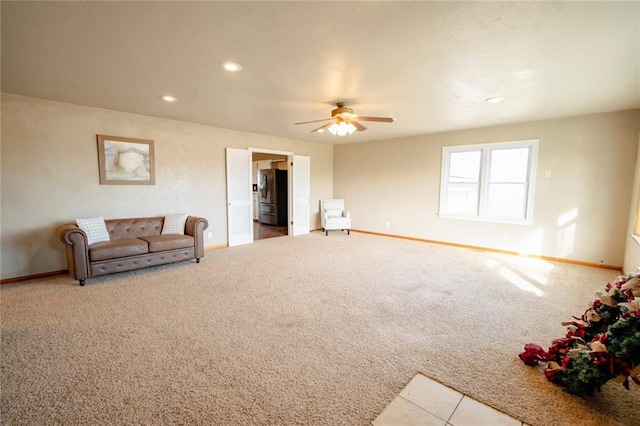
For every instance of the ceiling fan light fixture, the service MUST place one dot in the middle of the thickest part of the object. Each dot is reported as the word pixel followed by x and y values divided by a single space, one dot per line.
pixel 342 128
pixel 344 121
pixel 231 66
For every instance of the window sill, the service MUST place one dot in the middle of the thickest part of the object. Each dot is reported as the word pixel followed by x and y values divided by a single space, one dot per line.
pixel 487 220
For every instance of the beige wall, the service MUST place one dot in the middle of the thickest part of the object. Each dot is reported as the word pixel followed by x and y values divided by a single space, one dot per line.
pixel 580 212
pixel 632 250
pixel 50 175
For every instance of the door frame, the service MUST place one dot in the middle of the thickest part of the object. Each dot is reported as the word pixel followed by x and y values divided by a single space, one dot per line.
pixel 239 204
pixel 289 156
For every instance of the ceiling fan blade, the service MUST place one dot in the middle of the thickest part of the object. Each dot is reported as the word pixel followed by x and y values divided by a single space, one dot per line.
pixel 380 119
pixel 315 121
pixel 321 128
pixel 359 126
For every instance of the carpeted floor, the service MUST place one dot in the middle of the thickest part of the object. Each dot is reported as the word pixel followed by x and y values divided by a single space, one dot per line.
pixel 298 330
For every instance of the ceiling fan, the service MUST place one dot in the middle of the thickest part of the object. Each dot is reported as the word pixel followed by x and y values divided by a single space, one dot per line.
pixel 344 122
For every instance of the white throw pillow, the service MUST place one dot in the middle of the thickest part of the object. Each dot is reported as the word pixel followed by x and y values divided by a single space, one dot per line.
pixel 174 224
pixel 95 229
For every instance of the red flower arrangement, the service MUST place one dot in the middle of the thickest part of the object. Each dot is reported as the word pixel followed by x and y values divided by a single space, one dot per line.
pixel 601 345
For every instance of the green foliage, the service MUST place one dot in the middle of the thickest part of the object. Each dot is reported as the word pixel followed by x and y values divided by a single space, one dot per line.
pixel 581 376
pixel 608 314
pixel 623 340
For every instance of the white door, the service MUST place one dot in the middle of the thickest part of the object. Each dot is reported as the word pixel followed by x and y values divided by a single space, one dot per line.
pixel 301 194
pixel 239 197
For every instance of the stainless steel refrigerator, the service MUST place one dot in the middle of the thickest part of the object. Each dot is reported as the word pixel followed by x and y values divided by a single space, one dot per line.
pixel 272 197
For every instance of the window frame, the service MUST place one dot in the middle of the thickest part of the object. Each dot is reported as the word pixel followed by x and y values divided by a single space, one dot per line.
pixel 636 229
pixel 484 182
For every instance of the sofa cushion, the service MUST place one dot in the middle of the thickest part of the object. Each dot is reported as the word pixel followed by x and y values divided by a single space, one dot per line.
pixel 174 224
pixel 118 248
pixel 94 228
pixel 126 229
pixel 168 242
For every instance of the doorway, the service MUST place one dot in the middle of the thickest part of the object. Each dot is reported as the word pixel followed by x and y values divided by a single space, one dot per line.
pixel 240 194
pixel 270 195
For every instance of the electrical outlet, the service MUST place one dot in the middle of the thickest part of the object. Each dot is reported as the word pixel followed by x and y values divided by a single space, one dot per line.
pixel 210 235
pixel 387 225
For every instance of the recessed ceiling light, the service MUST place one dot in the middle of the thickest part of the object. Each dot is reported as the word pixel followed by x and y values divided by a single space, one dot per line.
pixel 495 99
pixel 168 98
pixel 231 66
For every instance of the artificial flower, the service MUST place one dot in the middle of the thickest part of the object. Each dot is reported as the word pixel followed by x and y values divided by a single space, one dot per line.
pixel 600 345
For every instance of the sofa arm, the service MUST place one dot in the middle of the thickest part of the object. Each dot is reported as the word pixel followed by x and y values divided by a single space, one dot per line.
pixel 77 249
pixel 195 227
pixel 66 234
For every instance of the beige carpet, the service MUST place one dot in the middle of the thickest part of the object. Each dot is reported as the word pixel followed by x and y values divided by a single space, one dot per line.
pixel 295 330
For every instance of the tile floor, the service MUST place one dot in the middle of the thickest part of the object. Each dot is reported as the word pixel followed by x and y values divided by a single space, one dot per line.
pixel 425 402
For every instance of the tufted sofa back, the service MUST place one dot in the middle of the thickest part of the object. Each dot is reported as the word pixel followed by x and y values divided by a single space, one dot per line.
pixel 122 229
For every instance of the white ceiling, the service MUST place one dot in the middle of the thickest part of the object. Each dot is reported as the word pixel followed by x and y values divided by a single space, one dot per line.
pixel 430 65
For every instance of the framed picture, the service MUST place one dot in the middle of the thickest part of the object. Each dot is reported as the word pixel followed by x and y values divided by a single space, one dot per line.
pixel 125 161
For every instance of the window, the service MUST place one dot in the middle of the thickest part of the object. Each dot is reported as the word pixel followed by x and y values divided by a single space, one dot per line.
pixel 636 229
pixel 491 182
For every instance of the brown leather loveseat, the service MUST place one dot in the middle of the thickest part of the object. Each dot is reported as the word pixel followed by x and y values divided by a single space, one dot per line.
pixel 134 244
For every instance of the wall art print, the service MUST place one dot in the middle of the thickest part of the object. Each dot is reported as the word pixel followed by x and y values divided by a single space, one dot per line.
pixel 125 161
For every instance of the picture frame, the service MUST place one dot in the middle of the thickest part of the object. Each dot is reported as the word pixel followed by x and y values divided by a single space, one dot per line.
pixel 126 161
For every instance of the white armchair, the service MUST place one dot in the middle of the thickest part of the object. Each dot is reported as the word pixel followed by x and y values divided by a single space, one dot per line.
pixel 334 216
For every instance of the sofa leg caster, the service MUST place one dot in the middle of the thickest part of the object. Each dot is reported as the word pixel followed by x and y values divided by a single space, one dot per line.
pixel 348 232
pixel 197 260
pixel 326 232
pixel 82 281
